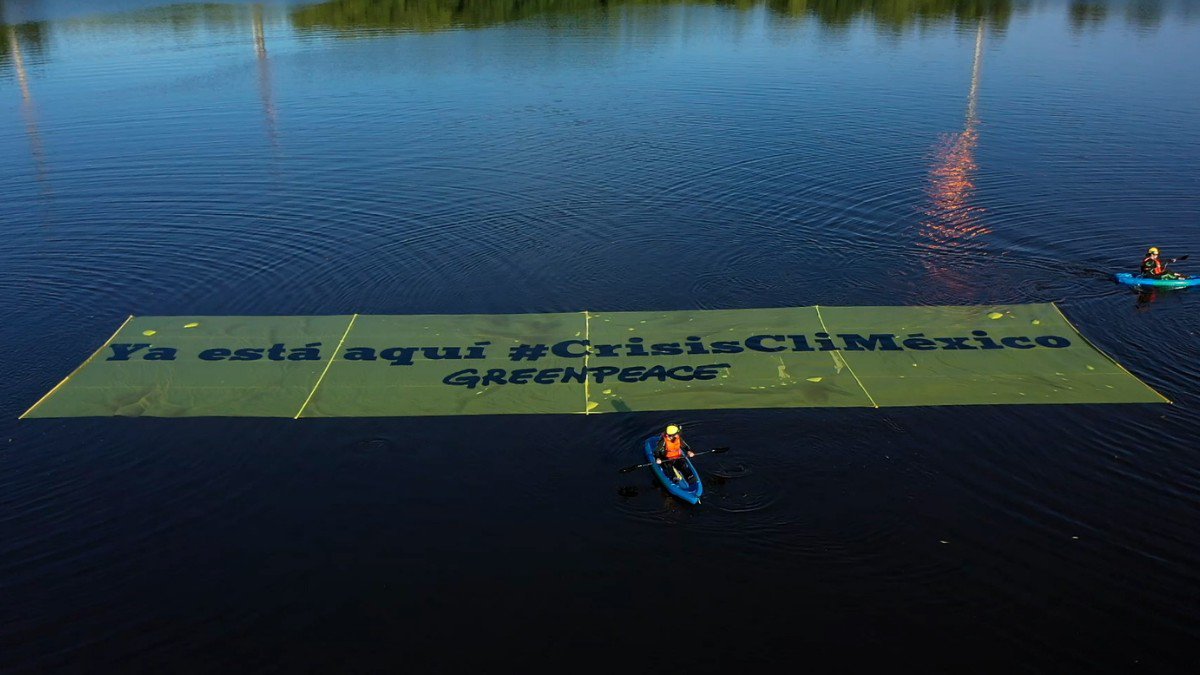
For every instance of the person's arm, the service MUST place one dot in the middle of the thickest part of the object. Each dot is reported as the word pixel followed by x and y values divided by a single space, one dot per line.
pixel 687 447
pixel 658 450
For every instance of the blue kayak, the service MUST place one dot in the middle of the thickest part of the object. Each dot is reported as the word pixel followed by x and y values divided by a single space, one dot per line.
pixel 1135 280
pixel 686 484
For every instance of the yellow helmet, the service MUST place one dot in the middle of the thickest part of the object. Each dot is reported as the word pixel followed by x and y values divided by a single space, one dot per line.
pixel 1153 251
pixel 672 429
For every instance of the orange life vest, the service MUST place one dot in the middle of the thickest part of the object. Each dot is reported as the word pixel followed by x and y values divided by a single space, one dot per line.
pixel 673 446
pixel 1153 267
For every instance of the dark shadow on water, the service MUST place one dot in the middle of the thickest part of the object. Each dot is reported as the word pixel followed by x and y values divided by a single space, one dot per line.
pixel 619 405
pixel 1147 297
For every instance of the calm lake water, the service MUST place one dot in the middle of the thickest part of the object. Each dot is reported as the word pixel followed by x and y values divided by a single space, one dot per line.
pixel 396 157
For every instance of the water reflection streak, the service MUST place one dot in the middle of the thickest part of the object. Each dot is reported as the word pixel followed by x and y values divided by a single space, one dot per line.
pixel 264 77
pixel 28 108
pixel 954 220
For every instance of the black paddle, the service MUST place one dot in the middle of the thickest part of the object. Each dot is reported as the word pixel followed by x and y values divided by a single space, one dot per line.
pixel 635 467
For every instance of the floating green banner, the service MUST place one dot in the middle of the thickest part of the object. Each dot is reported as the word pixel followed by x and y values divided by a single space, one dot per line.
pixel 587 362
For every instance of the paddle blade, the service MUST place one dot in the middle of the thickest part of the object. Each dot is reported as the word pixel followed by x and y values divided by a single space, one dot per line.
pixel 630 469
pixel 717 451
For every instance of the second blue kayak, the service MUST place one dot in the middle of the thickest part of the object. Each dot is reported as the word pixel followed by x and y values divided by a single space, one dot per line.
pixel 1135 280
pixel 686 484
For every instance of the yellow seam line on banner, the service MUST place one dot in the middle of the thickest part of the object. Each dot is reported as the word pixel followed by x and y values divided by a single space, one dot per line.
pixel 846 361
pixel 337 350
pixel 587 335
pixel 81 367
pixel 1105 355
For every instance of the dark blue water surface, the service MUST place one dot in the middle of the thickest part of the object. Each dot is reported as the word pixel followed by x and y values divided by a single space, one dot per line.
pixel 427 156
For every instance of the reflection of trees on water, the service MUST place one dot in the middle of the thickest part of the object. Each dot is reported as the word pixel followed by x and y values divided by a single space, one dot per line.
pixel 422 15
pixel 1085 13
pixel 430 15
pixel 427 15
pixel 24 44
pixel 1144 13
pixel 181 17
pixel 896 14
pixel 29 38
pixel 888 15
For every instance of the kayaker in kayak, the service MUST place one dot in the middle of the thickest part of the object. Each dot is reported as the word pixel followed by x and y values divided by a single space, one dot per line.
pixel 1154 267
pixel 671 447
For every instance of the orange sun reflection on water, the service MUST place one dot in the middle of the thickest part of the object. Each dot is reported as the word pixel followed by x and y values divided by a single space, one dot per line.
pixel 952 220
